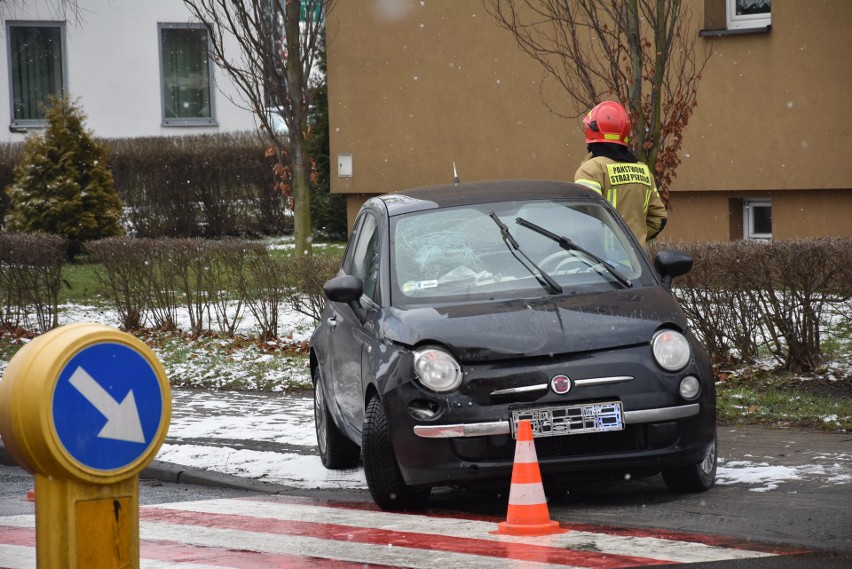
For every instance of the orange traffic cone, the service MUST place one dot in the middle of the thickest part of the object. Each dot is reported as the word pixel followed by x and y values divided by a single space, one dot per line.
pixel 528 513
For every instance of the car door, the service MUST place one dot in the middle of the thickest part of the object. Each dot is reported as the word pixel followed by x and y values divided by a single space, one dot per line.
pixel 349 335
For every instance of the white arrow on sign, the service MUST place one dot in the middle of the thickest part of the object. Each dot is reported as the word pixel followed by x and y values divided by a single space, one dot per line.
pixel 123 422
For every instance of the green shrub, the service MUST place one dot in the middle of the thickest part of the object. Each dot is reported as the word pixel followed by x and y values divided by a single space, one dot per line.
pixel 10 153
pixel 62 184
pixel 306 275
pixel 744 298
pixel 216 282
pixel 124 277
pixel 30 279
pixel 213 185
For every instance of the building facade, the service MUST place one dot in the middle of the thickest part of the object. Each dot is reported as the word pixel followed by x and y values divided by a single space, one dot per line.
pixel 416 87
pixel 137 68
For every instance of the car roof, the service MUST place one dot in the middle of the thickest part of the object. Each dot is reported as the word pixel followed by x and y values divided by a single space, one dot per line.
pixel 466 193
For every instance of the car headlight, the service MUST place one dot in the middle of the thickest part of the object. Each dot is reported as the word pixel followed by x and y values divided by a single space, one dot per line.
pixel 671 349
pixel 437 369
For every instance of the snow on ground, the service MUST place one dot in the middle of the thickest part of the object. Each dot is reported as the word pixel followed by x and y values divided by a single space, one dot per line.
pixel 200 363
pixel 270 436
pixel 283 427
pixel 763 477
pixel 289 321
pixel 288 469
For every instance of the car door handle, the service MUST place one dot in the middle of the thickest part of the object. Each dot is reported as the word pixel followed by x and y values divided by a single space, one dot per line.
pixel 332 321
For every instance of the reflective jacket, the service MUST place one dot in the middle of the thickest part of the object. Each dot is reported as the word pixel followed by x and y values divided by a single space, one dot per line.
pixel 631 190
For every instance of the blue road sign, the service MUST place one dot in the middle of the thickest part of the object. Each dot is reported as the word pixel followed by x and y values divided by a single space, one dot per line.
pixel 107 406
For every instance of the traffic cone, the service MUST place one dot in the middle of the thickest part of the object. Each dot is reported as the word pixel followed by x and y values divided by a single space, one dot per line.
pixel 31 495
pixel 528 513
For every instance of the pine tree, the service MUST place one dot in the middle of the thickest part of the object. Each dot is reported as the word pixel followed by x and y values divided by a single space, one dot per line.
pixel 328 211
pixel 62 184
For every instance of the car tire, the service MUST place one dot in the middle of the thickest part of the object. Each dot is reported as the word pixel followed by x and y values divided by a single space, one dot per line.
pixel 336 450
pixel 384 479
pixel 694 477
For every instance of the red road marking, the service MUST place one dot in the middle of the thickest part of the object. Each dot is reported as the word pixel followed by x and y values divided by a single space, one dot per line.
pixel 705 539
pixel 239 558
pixel 373 536
pixel 184 553
pixel 228 555
pixel 18 536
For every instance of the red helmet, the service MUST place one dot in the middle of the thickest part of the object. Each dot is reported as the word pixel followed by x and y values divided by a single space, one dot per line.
pixel 607 122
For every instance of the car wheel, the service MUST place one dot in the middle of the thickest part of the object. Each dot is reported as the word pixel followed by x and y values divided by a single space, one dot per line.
pixel 695 477
pixel 335 449
pixel 384 479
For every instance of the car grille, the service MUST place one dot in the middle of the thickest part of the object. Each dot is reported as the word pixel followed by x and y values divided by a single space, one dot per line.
pixel 632 438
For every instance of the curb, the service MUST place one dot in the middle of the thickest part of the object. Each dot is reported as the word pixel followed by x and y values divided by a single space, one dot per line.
pixel 178 474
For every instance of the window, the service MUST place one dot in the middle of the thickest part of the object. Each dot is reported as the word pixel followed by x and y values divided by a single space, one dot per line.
pixel 745 14
pixel 36 69
pixel 757 219
pixel 364 262
pixel 461 252
pixel 186 71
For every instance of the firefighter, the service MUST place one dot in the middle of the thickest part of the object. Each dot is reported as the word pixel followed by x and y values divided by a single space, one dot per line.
pixel 615 173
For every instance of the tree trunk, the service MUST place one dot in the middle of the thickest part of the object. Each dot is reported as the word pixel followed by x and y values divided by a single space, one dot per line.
pixel 300 165
pixel 301 197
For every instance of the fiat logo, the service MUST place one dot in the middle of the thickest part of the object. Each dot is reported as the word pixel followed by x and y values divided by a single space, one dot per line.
pixel 560 384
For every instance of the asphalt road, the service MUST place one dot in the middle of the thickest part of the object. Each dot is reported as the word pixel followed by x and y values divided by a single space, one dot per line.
pixel 804 513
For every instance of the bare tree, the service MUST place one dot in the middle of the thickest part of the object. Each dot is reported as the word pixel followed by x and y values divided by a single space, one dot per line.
pixel 642 53
pixel 272 66
pixel 59 9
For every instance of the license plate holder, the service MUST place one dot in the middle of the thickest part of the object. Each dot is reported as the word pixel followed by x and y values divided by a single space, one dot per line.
pixel 559 420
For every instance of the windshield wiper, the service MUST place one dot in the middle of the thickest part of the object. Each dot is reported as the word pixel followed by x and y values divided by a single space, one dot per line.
pixel 514 247
pixel 569 245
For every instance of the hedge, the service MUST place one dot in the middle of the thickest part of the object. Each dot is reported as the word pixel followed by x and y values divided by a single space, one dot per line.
pixel 745 300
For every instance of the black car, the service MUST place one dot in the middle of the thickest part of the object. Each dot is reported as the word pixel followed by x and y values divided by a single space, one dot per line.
pixel 460 310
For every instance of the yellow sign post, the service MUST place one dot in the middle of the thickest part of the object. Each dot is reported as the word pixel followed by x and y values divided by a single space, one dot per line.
pixel 85 408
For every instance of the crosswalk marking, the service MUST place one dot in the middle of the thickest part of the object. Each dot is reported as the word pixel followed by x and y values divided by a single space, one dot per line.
pixel 394 547
pixel 652 548
pixel 284 532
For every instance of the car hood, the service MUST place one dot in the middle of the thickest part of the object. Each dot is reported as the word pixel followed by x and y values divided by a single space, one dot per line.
pixel 536 327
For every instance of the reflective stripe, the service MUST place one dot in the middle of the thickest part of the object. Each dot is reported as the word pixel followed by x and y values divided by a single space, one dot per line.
pixel 612 196
pixel 527 494
pixel 591 184
pixel 525 452
pixel 647 199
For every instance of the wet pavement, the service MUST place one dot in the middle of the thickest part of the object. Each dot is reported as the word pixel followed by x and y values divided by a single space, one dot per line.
pixel 262 437
pixel 266 441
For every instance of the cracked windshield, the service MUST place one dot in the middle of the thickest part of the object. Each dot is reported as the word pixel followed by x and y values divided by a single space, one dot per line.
pixel 461 251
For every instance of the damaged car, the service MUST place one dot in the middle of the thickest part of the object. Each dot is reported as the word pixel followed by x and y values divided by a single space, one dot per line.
pixel 461 310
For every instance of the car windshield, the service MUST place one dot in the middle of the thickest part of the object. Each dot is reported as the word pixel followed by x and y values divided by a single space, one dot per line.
pixel 509 249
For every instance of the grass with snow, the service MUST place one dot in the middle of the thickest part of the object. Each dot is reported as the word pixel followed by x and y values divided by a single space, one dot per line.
pixel 238 364
pixel 758 394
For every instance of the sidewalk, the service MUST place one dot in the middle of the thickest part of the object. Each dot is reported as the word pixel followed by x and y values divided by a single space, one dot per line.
pixel 266 442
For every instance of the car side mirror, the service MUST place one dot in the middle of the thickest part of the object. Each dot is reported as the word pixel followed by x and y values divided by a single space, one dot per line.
pixel 346 289
pixel 671 264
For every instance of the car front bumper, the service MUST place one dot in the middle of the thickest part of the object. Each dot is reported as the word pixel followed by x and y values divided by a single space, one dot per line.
pixel 468 436
pixel 505 428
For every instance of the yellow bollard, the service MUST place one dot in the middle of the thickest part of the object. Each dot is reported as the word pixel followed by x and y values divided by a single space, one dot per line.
pixel 85 408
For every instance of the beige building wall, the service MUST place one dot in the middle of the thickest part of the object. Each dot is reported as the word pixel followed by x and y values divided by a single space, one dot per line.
pixel 417 86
